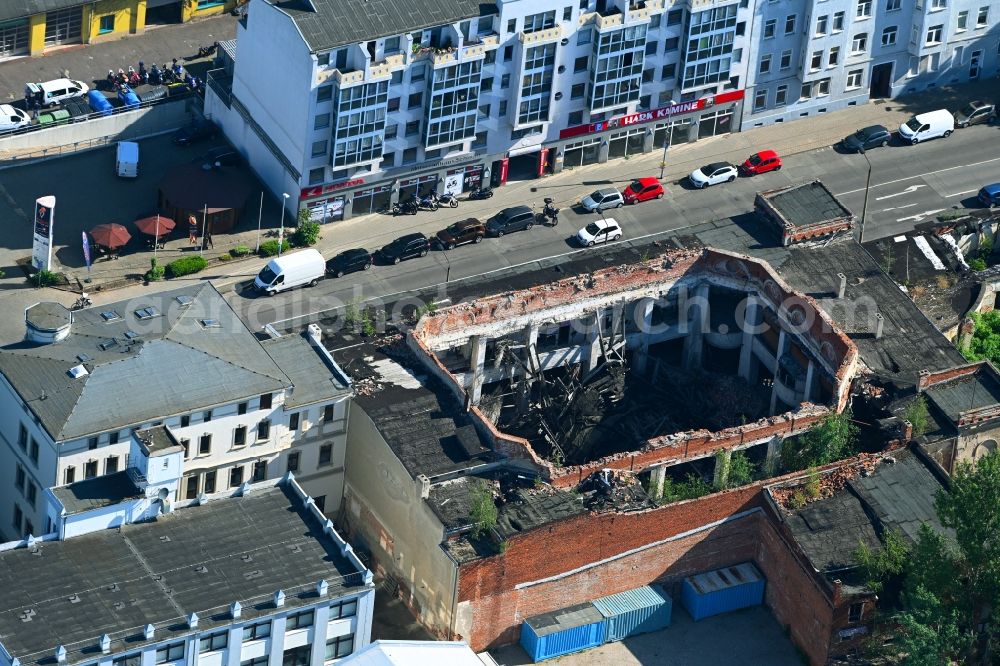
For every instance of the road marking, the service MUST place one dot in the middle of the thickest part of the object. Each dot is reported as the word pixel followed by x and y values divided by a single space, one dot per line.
pixel 919 216
pixel 886 210
pixel 920 175
pixel 911 188
pixel 958 194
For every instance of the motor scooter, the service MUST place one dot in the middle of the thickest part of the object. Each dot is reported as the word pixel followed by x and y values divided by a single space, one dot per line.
pixel 549 214
pixel 407 207
pixel 481 193
pixel 82 302
pixel 428 202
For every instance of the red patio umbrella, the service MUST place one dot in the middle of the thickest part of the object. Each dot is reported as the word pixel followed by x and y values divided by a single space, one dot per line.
pixel 155 225
pixel 110 235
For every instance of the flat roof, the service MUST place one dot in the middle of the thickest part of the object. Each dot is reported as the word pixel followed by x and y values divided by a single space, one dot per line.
pixel 566 618
pixel 806 204
pixel 156 440
pixel 415 653
pixel 195 560
pixel 95 493
pixel 973 391
pixel 314 378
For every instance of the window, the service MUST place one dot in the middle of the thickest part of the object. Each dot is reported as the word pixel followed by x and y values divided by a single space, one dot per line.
pixel 257 631
pixel 210 482
pixel 786 59
pixel 186 445
pixel 205 444
pixel 322 121
pixel 409 155
pixel 324 94
pixel 297 656
pixel 502 109
pixel 415 100
pixel 963 21
pixel 934 34
pixel 236 476
pixel 577 91
pixel 173 652
pixel 22 437
pixel 939 4
pixel 390 133
pixel 397 77
pixel 760 100
pixel 654 21
pixel 185 420
pixel 790 24
pixel 256 661
pixel 393 104
pixel 412 127
pixel 834 56
pixel 299 620
pixel 391 45
pixel 107 24
pixel 340 646
pixel 18 515
pixel 29 528
pixel 508 53
pixel 822 87
pixel 579 65
pixel 266 400
pixel 92 443
pixel 328 413
pixel 318 150
pixel 983 17
pixel 263 429
pixel 511 25
pixel 864 9
pixel 32 493
pixel 323 59
pixel 90 469
pixel 854 78
pixel 821 25
pixel 889 35
pixel 242 407
pixel 418 74
pixel 69 475
pixel 293 421
pixel 19 478
pixel 574 118
pixel 838 21
pixel 134 659
pixel 651 48
pixel 817 60
pixel 669 71
pixel 111 464
pixel 671 44
pixel 342 609
pixel 326 452
pixel 765 64
pixel 584 37
pixel 259 471
pixel 293 461
pixel 33 454
pixel 214 642
pixel 239 435
pixel 855 612
pixel 675 16
pixel 568 14
pixel 781 95
pixel 769 26
pixel 806 92
pixel 892 5
pixel 860 43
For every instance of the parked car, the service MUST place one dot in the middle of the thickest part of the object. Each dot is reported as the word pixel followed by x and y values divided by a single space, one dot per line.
pixel 516 218
pixel 603 199
pixel 974 113
pixel 200 130
pixel 599 231
pixel 989 196
pixel 405 247
pixel 221 157
pixel 930 125
pixel 54 92
pixel 349 261
pixel 713 174
pixel 295 269
pixel 459 233
pixel 872 136
pixel 643 189
pixel 12 119
pixel 762 162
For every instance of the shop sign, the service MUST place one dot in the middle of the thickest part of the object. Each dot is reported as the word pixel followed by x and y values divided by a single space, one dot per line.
pixel 320 190
pixel 651 116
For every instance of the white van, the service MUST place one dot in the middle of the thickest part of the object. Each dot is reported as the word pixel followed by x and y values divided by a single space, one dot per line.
pixel 52 93
pixel 928 125
pixel 127 160
pixel 291 270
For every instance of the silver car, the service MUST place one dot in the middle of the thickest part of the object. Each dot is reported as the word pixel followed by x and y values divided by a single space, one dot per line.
pixel 974 113
pixel 603 199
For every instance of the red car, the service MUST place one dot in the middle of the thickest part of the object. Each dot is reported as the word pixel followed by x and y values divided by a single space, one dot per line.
pixel 643 189
pixel 762 162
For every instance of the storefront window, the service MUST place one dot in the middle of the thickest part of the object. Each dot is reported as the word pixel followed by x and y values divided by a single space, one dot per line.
pixel 720 122
pixel 374 200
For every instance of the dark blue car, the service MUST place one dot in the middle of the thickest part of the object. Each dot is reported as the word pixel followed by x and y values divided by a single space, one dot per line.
pixel 989 196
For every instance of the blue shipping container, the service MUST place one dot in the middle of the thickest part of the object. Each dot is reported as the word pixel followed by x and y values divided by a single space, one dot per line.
pixel 635 612
pixel 561 632
pixel 723 590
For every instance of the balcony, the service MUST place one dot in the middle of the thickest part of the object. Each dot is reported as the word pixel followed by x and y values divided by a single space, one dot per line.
pixel 541 36
pixel 348 78
pixel 478 49
pixel 643 11
pixel 384 69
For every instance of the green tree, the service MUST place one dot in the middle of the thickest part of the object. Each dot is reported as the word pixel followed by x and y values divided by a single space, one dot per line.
pixel 889 561
pixel 930 632
pixel 834 438
pixel 483 512
pixel 307 231
pixel 918 415
pixel 985 343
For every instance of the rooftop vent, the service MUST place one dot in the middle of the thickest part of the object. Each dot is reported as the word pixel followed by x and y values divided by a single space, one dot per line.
pixel 131 335
pixel 210 323
pixel 184 300
pixel 143 314
pixel 78 371
pixel 83 358
pixel 105 345
pixel 110 315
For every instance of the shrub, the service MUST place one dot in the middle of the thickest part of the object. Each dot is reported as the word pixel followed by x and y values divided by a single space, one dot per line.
pixel 270 248
pixel 307 233
pixel 45 278
pixel 186 266
pixel 483 513
pixel 156 271
pixel 918 415
pixel 977 264
pixel 240 251
pixel 225 257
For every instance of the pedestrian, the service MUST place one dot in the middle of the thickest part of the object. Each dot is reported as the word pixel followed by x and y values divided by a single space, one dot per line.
pixel 208 240
pixel 192 230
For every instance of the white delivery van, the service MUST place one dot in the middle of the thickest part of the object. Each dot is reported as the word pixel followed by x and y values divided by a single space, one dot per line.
pixel 291 270
pixel 928 125
pixel 127 160
pixel 52 93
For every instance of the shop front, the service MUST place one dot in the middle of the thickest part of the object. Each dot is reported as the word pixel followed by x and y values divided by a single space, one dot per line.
pixel 420 186
pixel 624 144
pixel 376 199
pixel 328 203
pixel 582 153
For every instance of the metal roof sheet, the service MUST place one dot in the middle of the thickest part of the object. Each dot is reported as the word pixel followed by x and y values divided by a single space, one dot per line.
pixel 630 600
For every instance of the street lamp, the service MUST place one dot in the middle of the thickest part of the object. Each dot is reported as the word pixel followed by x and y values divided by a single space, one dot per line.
pixel 281 232
pixel 666 143
pixel 864 206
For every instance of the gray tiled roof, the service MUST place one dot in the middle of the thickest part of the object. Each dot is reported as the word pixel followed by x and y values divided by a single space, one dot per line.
pixel 14 9
pixel 339 22
pixel 304 366
pixel 165 365
pixel 194 560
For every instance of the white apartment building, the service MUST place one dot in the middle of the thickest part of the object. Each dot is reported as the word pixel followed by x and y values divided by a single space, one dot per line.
pixel 815 56
pixel 349 106
pixel 243 409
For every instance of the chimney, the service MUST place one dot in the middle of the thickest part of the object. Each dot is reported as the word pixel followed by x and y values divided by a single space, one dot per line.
pixel 424 486
pixel 148 632
pixel 193 621
pixel 322 588
pixel 235 610
pixel 61 654
pixel 279 599
pixel 842 287
pixel 105 644
pixel 879 323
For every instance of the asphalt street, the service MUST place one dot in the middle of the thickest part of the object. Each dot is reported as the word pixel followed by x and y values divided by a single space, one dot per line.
pixel 909 184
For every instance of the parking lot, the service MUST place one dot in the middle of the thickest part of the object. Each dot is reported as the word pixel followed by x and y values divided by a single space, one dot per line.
pixel 750 637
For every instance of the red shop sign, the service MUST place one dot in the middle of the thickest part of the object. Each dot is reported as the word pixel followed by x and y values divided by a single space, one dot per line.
pixel 320 190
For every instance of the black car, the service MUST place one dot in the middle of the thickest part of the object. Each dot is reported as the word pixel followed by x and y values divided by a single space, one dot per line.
pixel 349 261
pixel 405 247
pixel 221 157
pixel 869 137
pixel 200 130
pixel 516 218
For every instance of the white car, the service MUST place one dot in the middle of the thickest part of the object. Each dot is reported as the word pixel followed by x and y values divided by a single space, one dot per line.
pixel 12 119
pixel 713 174
pixel 603 199
pixel 54 92
pixel 599 231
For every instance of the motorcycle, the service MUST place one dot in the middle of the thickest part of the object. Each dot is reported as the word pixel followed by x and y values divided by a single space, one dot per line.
pixel 82 302
pixel 549 214
pixel 481 193
pixel 448 199
pixel 428 202
pixel 408 207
